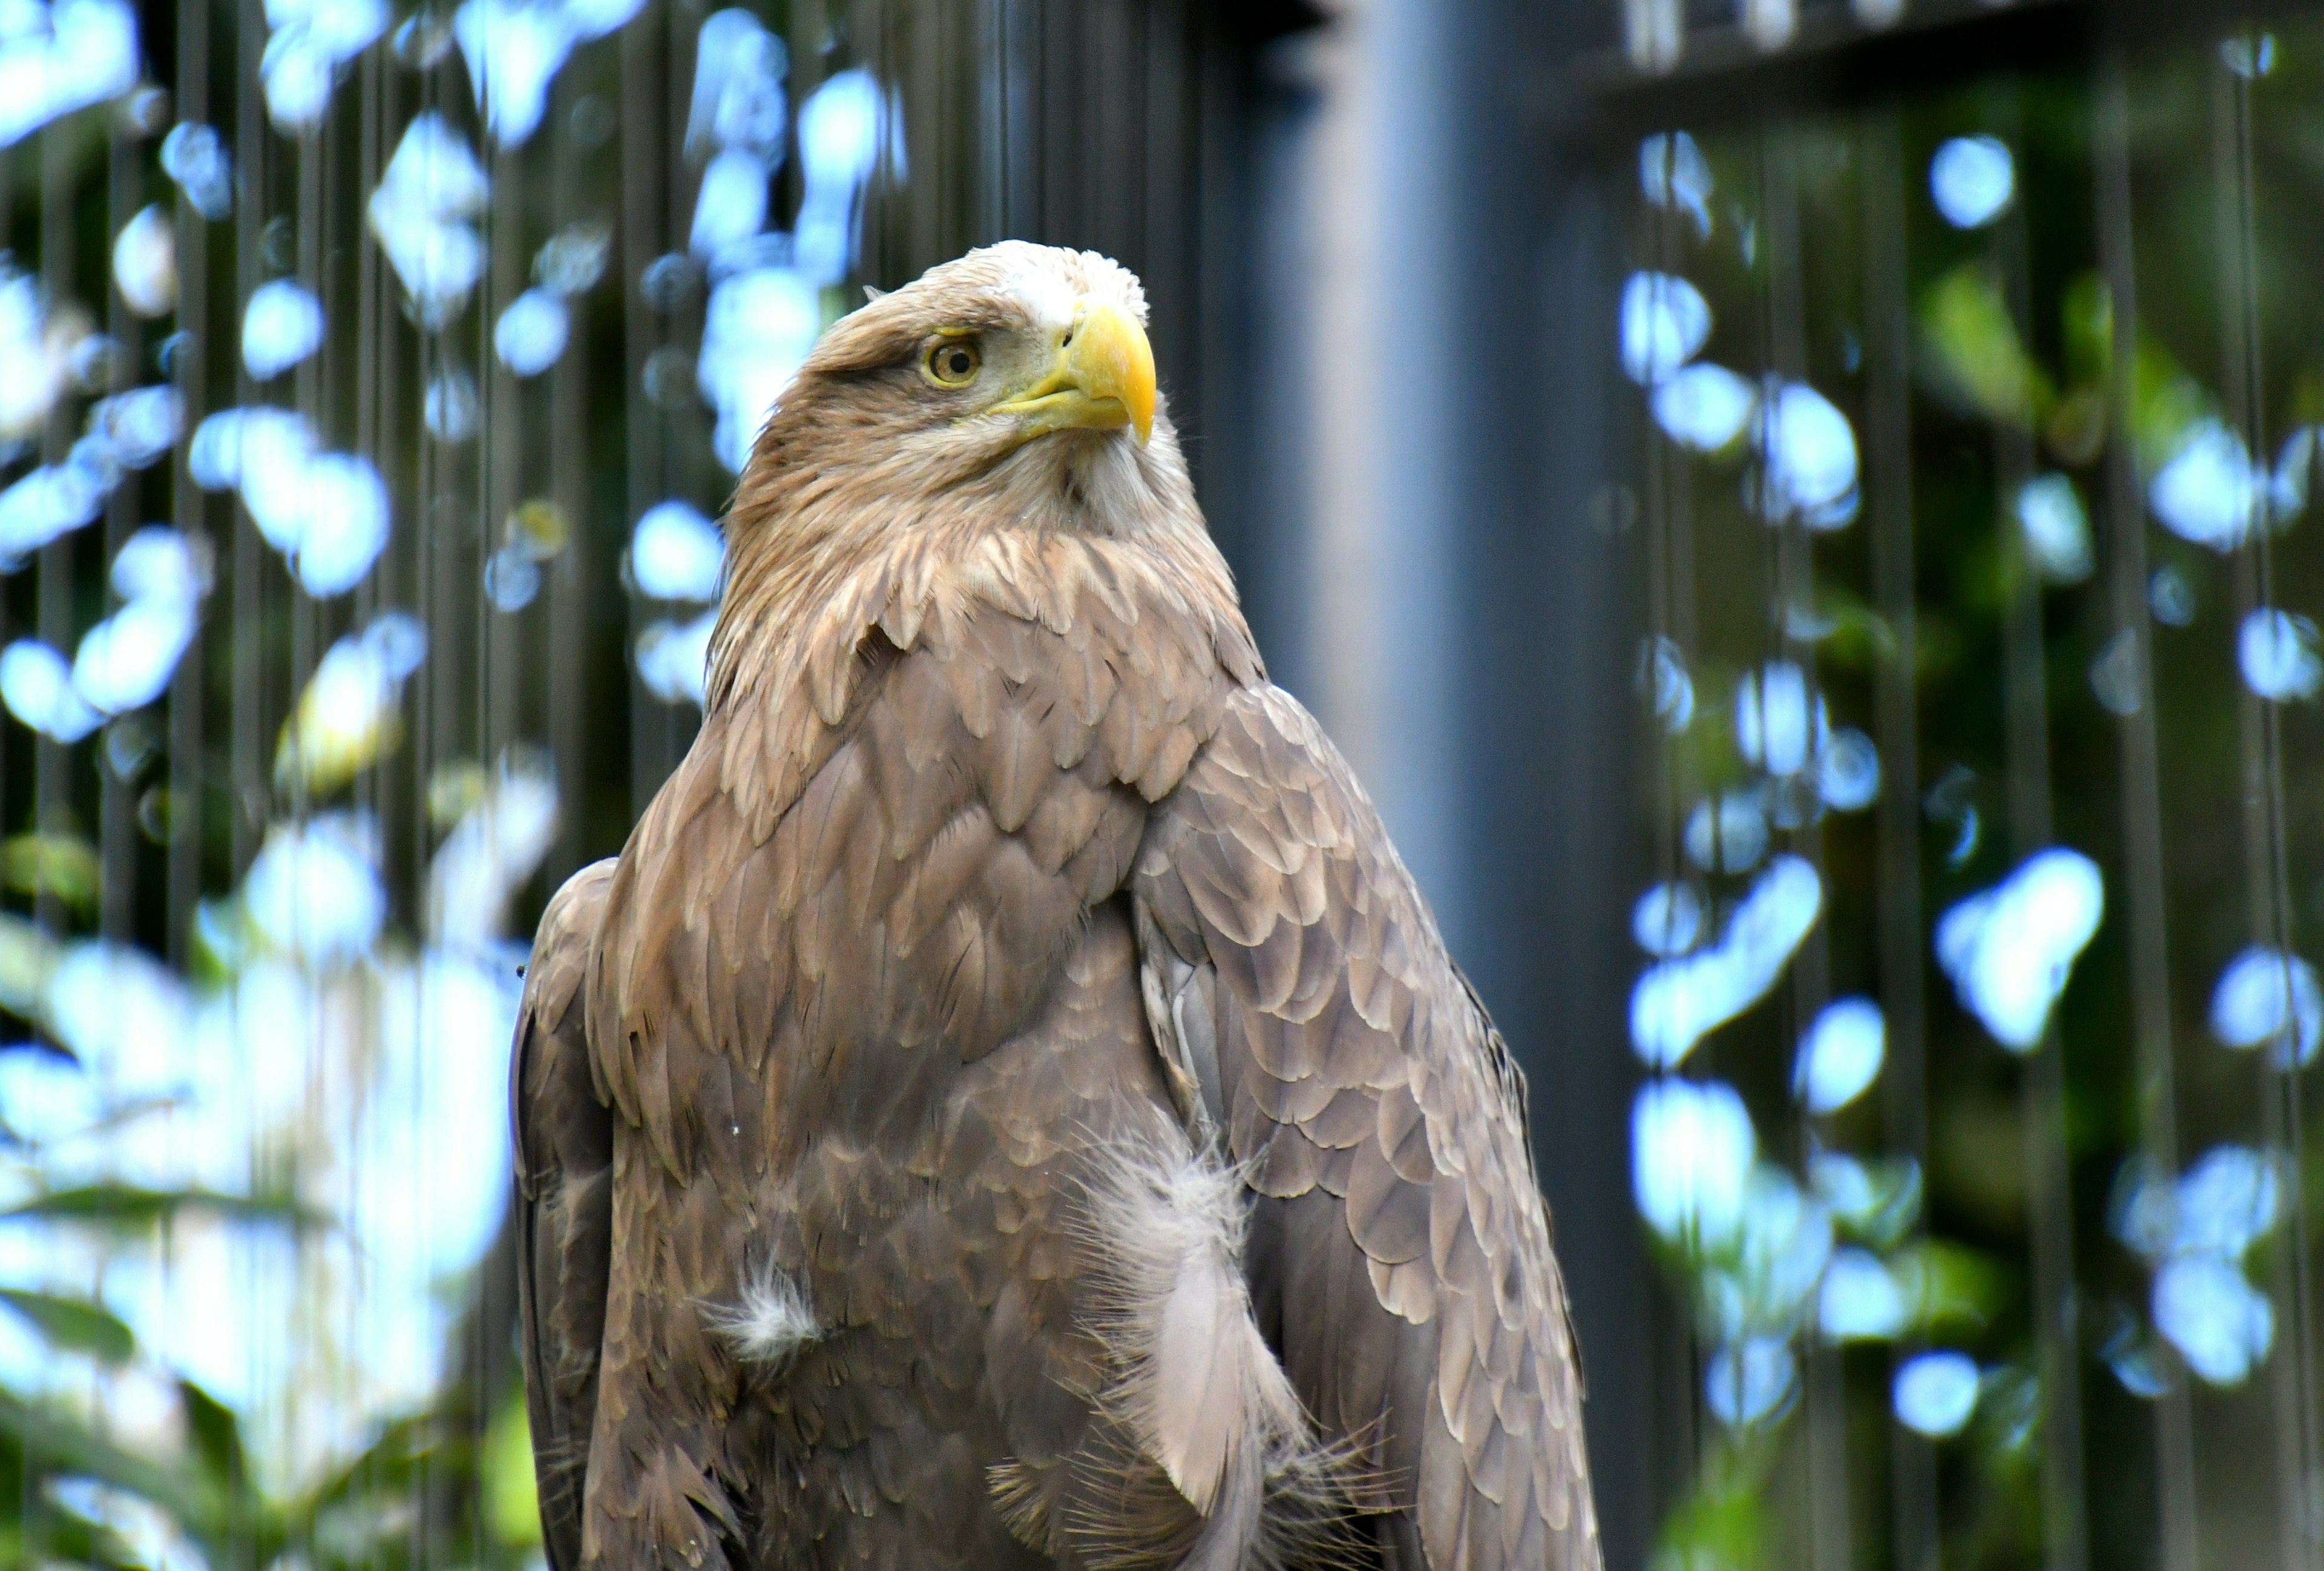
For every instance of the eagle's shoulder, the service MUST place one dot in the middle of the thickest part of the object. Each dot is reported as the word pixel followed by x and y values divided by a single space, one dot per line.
pixel 561 943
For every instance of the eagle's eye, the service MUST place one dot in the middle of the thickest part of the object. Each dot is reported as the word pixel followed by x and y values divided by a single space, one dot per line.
pixel 953 363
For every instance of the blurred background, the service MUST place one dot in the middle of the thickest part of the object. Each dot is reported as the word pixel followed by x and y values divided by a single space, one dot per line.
pixel 1796 508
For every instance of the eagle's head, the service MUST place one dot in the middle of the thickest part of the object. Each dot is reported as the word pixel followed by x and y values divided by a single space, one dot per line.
pixel 1017 378
pixel 1009 392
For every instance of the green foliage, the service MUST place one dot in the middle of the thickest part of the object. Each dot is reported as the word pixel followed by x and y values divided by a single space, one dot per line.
pixel 512 1497
pixel 1952 1289
pixel 62 865
pixel 2071 343
pixel 1723 1525
pixel 72 1494
pixel 1977 348
pixel 125 1208
pixel 74 1325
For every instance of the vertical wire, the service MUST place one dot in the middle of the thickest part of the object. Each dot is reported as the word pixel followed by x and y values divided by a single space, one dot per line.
pixel 645 330
pixel 372 373
pixel 248 717
pixel 2288 1085
pixel 53 586
pixel 249 686
pixel 433 368
pixel 1888 503
pixel 329 1060
pixel 181 819
pixel 321 398
pixel 568 587
pixel 682 472
pixel 2141 777
pixel 499 644
pixel 2043 1087
pixel 1670 584
pixel 1793 598
pixel 31 1500
pixel 309 214
pixel 116 833
pixel 500 435
pixel 306 1332
pixel 52 760
pixel 995 143
pixel 182 814
pixel 2267 879
pixel 435 694
pixel 116 868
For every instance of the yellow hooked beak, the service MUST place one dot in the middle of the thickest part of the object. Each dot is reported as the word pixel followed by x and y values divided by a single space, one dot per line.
pixel 1104 378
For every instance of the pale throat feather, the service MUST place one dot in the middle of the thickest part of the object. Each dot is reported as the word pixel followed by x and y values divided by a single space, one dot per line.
pixel 808 583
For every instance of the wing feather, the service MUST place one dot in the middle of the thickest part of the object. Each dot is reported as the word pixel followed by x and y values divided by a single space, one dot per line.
pixel 564 1210
pixel 1422 1317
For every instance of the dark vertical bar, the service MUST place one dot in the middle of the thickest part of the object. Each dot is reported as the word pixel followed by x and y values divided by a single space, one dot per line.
pixel 247 762
pixel 370 377
pixel 1889 505
pixel 567 573
pixel 52 806
pixel 2142 807
pixel 187 798
pixel 642 228
pixel 1825 1474
pixel 116 835
pixel 502 670
pixel 684 427
pixel 2266 875
pixel 310 211
pixel 2043 1087
pixel 1567 800
pixel 1672 1431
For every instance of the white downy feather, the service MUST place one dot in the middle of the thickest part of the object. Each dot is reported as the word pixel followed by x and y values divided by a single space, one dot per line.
pixel 773 1321
pixel 1198 1383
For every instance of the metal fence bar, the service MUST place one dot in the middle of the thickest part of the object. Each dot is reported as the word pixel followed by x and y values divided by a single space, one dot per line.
pixel 1902 965
pixel 2126 514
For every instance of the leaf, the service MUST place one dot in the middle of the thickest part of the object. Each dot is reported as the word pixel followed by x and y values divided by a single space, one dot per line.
pixel 2086 324
pixel 1949 1287
pixel 1976 344
pixel 127 1206
pixel 27 955
pixel 64 865
pixel 216 1434
pixel 233 1525
pixel 2165 404
pixel 65 1445
pixel 1724 1520
pixel 62 1538
pixel 74 1323
pixel 511 1503
pixel 407 1451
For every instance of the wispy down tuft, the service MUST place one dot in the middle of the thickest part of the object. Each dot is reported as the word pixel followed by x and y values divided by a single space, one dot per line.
pixel 773 1321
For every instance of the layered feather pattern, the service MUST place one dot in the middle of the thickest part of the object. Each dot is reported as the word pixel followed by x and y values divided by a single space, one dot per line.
pixel 1007 1108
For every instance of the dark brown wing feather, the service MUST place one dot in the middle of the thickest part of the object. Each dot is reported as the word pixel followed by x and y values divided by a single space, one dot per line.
pixel 1401 1254
pixel 564 1210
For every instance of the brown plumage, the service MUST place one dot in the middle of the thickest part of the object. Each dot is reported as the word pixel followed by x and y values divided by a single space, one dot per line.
pixel 1009 1106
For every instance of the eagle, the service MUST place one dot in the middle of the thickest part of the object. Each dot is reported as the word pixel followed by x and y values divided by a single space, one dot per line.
pixel 1007 1105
